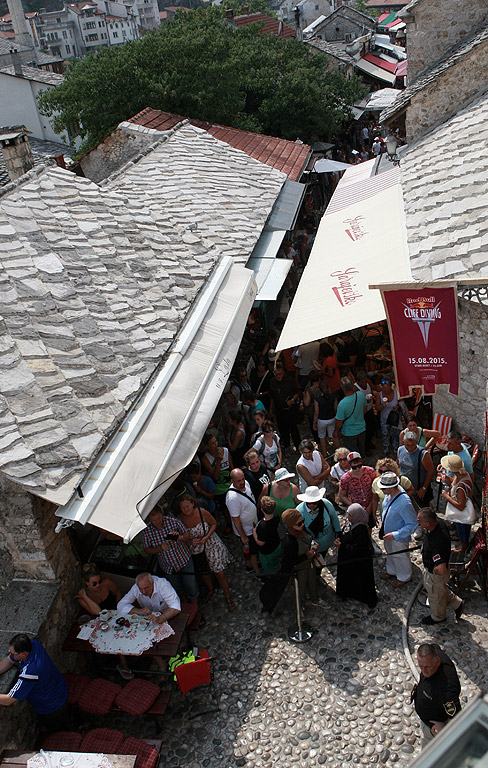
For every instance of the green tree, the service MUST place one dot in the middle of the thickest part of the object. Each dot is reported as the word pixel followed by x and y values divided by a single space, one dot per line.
pixel 198 67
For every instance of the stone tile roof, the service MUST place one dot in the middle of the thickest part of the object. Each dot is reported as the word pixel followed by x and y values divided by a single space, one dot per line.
pixel 271 26
pixel 32 73
pixel 335 49
pixel 445 189
pixel 41 150
pixel 95 282
pixel 430 76
pixel 290 157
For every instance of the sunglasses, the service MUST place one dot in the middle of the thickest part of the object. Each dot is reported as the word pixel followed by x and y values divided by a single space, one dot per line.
pixel 385 382
pixel 385 469
pixel 299 525
pixel 96 583
pixel 356 466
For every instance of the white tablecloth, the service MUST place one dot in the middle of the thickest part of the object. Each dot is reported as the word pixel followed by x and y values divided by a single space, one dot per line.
pixel 68 760
pixel 130 641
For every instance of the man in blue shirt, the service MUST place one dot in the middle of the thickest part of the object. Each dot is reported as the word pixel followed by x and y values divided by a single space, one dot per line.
pixel 399 522
pixel 39 681
pixel 454 445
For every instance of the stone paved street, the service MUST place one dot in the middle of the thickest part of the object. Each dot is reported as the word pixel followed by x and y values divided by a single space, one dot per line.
pixel 341 699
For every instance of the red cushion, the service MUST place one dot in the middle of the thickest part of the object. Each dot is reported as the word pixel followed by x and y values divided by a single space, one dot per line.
pixel 137 696
pixel 103 740
pixel 62 741
pixel 76 686
pixel 99 696
pixel 147 755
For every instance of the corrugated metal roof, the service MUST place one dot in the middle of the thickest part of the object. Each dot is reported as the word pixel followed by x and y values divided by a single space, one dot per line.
pixel 284 155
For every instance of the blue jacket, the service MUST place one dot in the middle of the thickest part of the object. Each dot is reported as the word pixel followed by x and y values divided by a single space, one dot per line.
pixel 399 516
pixel 331 524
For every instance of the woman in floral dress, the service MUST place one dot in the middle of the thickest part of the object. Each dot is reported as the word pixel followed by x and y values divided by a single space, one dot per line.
pixel 210 555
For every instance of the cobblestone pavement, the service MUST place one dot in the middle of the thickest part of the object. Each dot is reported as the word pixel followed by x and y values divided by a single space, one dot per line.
pixel 342 699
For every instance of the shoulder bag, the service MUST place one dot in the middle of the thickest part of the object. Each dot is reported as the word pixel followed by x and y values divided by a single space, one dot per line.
pixel 353 409
pixel 381 533
pixel 466 516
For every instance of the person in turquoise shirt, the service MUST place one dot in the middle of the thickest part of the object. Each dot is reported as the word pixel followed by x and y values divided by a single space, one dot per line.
pixel 454 445
pixel 350 418
pixel 319 516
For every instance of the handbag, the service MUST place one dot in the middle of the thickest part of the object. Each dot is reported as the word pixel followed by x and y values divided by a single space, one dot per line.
pixel 393 418
pixel 466 516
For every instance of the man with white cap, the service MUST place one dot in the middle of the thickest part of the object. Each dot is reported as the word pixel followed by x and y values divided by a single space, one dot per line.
pixel 319 516
pixel 399 522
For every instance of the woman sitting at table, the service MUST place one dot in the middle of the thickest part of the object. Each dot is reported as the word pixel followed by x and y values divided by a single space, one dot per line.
pixel 209 553
pixel 101 594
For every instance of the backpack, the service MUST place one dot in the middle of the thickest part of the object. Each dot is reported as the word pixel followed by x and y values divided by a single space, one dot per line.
pixel 180 658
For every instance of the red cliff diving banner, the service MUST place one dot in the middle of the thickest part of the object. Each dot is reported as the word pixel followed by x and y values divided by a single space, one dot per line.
pixel 424 337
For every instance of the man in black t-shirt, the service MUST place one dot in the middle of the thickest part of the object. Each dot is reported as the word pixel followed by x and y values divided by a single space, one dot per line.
pixel 436 695
pixel 436 551
pixel 284 396
pixel 267 537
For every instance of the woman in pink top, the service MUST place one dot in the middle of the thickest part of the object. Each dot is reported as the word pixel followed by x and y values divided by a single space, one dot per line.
pixel 355 485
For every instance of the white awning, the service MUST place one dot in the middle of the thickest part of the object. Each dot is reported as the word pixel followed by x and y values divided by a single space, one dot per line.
pixel 378 72
pixel 330 166
pixel 360 240
pixel 270 275
pixel 161 434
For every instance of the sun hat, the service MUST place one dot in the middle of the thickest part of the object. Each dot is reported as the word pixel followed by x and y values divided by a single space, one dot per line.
pixel 282 474
pixel 353 455
pixel 312 493
pixel 452 462
pixel 388 480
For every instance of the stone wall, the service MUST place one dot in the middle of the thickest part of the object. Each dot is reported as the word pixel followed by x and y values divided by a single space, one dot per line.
pixel 468 410
pixel 436 26
pixel 453 90
pixel 40 576
pixel 124 144
pixel 342 23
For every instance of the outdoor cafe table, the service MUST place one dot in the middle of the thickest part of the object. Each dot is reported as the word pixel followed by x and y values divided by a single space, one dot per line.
pixel 164 648
pixel 12 758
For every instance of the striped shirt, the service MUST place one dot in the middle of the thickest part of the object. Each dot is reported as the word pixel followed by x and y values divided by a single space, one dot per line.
pixel 178 554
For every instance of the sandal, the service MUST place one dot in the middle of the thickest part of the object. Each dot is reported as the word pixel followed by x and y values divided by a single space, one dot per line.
pixel 231 606
pixel 208 596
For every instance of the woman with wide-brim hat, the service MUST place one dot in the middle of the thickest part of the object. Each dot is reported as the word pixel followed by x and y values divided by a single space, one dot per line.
pixel 458 495
pixel 319 516
pixel 282 490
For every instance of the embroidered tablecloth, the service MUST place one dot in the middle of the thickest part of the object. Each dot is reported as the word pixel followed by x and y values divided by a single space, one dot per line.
pixel 50 759
pixel 130 641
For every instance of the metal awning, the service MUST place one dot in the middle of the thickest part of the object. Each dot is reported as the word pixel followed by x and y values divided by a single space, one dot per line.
pixel 161 434
pixel 287 205
pixel 270 275
pixel 360 235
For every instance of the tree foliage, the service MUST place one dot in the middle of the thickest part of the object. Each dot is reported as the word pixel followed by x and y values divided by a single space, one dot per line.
pixel 200 67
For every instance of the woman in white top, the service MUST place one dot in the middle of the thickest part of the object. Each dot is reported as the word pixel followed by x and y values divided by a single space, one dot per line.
pixel 312 468
pixel 268 447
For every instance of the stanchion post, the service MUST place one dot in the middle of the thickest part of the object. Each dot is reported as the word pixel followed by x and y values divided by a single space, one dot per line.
pixel 301 632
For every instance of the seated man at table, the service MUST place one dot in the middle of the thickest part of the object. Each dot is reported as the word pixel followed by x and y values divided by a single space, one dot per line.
pixel 40 682
pixel 151 595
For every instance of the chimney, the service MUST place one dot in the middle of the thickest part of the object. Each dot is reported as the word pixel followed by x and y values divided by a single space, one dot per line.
pixel 229 14
pixel 15 59
pixel 22 36
pixel 245 9
pixel 16 150
pixel 280 29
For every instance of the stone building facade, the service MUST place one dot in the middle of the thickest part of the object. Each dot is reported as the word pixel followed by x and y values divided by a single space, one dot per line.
pixel 435 26
pixel 39 576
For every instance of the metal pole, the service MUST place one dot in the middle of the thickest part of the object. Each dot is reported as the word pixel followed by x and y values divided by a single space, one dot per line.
pixel 300 632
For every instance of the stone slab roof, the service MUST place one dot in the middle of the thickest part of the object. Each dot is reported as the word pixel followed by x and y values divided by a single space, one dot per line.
pixel 430 76
pixel 37 75
pixel 445 188
pixel 335 49
pixel 96 280
pixel 41 150
pixel 290 157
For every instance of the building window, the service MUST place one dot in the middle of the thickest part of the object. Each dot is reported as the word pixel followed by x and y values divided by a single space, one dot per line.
pixel 68 48
pixel 92 38
pixel 116 34
pixel 58 21
pixel 65 35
